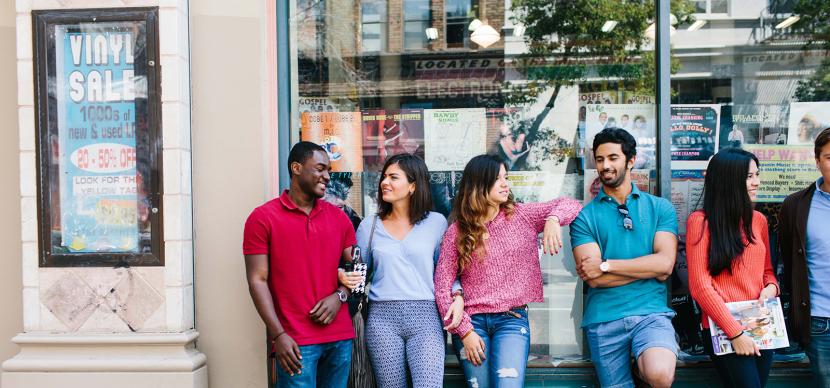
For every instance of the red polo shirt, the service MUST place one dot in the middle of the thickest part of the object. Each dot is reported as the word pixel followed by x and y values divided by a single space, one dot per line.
pixel 304 252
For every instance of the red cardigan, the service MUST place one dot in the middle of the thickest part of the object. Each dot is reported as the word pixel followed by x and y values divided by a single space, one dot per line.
pixel 751 272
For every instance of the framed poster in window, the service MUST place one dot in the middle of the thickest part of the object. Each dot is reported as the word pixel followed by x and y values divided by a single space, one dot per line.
pixel 98 137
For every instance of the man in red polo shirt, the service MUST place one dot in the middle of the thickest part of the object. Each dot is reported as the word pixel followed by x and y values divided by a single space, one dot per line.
pixel 302 239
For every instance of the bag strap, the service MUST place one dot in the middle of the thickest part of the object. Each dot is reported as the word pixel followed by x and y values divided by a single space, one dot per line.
pixel 365 298
pixel 369 248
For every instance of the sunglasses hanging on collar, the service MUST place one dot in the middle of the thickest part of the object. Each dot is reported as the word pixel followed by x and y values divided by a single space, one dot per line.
pixel 628 223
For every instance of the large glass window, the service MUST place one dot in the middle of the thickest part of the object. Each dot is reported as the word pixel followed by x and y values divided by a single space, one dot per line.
pixel 549 76
pixel 754 77
pixel 534 85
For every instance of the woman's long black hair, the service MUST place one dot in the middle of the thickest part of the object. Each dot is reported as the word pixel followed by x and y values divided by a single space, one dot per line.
pixel 727 207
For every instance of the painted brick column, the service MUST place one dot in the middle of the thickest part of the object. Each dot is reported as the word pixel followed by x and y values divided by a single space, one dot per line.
pixel 103 326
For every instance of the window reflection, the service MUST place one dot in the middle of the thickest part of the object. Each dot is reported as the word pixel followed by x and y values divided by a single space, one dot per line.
pixel 459 14
pixel 373 25
pixel 419 83
pixel 558 72
pixel 416 19
pixel 98 163
pixel 755 66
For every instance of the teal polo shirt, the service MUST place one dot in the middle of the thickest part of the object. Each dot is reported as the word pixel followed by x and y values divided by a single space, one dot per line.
pixel 600 222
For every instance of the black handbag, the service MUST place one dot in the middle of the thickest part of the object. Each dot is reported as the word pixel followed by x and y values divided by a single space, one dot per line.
pixel 361 374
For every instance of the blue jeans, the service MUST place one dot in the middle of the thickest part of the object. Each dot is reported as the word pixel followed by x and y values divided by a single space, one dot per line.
pixel 324 365
pixel 506 345
pixel 740 371
pixel 613 343
pixel 819 350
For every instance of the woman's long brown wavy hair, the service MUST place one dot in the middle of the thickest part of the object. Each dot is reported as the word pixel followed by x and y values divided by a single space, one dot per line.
pixel 471 204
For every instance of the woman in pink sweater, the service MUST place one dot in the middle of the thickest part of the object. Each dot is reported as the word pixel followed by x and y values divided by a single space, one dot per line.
pixel 493 244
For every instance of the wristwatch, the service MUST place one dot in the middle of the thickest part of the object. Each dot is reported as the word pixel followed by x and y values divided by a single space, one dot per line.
pixel 341 295
pixel 605 266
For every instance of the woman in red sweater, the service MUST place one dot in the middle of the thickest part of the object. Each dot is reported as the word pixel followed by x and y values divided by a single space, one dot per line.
pixel 728 253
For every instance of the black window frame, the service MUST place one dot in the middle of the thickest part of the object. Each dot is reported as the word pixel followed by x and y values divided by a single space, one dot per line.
pixel 43 23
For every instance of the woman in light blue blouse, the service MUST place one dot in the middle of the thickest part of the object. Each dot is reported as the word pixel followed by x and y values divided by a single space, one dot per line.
pixel 404 328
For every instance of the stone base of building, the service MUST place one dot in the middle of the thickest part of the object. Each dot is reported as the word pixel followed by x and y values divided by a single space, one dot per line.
pixel 106 360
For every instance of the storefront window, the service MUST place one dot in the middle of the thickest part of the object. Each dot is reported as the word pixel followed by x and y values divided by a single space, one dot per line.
pixel 536 93
pixel 754 78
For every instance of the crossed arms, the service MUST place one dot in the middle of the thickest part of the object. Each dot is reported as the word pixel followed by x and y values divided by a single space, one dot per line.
pixel 657 265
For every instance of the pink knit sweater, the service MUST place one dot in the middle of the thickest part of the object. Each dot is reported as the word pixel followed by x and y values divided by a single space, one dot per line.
pixel 509 275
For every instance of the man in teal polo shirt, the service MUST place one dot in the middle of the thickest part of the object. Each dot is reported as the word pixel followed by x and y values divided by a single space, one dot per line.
pixel 625 243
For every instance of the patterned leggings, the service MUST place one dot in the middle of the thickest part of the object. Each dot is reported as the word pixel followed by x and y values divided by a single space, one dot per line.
pixel 401 333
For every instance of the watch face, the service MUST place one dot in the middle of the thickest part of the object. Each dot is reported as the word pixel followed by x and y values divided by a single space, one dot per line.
pixel 341 295
pixel 603 267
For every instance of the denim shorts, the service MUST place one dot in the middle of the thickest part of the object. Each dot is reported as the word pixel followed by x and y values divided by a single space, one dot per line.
pixel 613 343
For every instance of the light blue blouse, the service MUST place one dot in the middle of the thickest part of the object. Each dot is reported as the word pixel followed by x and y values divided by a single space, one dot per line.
pixel 402 269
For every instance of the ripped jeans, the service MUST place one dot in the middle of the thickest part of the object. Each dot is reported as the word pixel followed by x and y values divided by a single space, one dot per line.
pixel 506 339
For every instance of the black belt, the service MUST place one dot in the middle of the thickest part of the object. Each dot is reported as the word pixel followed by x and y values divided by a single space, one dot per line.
pixel 514 314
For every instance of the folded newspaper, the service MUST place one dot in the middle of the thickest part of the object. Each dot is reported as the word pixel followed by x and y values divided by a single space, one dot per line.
pixel 762 321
